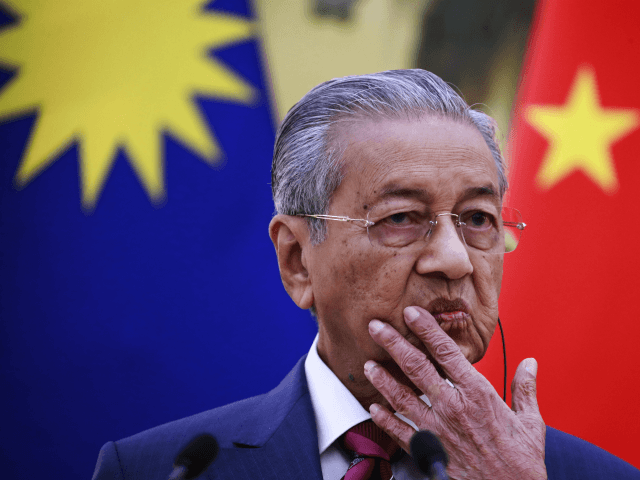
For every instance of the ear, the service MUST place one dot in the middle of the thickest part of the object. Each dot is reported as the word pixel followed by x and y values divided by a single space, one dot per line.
pixel 290 237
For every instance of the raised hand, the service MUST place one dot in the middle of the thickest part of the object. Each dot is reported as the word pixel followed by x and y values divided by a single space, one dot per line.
pixel 483 437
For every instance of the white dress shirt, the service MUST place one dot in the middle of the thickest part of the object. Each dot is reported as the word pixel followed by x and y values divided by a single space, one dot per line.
pixel 336 411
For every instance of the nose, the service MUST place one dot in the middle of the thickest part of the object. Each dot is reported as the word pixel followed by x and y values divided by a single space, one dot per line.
pixel 445 252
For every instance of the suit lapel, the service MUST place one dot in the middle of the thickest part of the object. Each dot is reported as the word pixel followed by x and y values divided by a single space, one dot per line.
pixel 277 439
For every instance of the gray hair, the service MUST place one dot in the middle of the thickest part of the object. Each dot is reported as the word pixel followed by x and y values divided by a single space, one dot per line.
pixel 306 167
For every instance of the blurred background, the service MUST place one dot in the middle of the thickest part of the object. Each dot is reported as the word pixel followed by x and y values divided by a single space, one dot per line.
pixel 138 284
pixel 478 46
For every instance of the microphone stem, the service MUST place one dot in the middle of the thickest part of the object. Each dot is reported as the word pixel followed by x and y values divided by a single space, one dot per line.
pixel 178 473
pixel 439 472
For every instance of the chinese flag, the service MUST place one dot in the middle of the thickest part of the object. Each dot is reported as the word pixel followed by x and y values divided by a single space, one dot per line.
pixel 571 292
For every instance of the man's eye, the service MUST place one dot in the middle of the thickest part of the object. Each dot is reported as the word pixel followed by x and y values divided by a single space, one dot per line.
pixel 478 219
pixel 398 218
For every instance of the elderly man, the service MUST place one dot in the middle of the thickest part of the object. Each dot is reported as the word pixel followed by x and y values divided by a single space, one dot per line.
pixel 391 229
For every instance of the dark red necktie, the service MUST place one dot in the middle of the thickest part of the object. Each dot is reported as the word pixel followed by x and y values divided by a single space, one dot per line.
pixel 372 450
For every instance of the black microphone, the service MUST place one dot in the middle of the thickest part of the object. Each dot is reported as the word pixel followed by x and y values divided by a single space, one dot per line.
pixel 429 455
pixel 195 458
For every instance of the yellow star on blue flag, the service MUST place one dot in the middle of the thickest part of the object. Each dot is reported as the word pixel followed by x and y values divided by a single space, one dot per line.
pixel 136 273
pixel 117 74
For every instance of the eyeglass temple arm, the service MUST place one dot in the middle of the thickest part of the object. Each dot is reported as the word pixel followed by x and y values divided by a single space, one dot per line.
pixel 364 223
pixel 329 217
pixel 518 225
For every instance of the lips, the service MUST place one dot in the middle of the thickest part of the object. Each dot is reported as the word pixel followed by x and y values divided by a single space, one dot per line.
pixel 450 313
pixel 450 316
pixel 444 305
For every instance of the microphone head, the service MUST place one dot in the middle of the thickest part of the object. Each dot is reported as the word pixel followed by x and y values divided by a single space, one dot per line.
pixel 197 456
pixel 426 449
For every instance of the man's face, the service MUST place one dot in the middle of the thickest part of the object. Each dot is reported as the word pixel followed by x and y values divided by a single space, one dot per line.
pixel 428 166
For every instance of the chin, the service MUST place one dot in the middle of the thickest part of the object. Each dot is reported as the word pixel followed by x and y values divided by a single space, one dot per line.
pixel 465 340
pixel 469 341
pixel 474 355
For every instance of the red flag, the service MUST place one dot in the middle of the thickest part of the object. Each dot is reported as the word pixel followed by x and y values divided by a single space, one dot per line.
pixel 571 292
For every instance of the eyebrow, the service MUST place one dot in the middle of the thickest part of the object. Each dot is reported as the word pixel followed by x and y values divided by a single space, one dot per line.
pixel 427 197
pixel 475 192
pixel 401 192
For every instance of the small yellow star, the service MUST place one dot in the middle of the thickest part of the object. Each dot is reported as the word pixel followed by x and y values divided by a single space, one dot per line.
pixel 580 134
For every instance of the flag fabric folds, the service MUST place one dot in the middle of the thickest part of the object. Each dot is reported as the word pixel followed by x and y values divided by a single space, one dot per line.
pixel 569 293
pixel 138 284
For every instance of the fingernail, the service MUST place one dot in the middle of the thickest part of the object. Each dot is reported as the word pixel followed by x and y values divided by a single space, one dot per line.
pixel 531 366
pixel 374 408
pixel 375 326
pixel 369 366
pixel 411 313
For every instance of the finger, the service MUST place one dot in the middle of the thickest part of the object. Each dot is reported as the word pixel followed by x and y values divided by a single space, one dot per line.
pixel 411 361
pixel 524 387
pixel 444 351
pixel 398 430
pixel 401 398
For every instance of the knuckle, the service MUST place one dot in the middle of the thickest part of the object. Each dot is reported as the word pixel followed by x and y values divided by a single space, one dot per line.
pixel 390 427
pixel 528 388
pixel 402 397
pixel 535 425
pixel 394 341
pixel 395 431
pixel 446 350
pixel 381 380
pixel 424 331
pixel 454 405
pixel 383 419
pixel 433 392
pixel 413 364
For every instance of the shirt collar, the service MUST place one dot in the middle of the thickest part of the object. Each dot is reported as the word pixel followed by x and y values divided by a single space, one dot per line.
pixel 335 408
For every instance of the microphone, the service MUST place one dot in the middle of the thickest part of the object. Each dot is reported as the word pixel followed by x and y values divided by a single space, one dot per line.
pixel 195 458
pixel 429 455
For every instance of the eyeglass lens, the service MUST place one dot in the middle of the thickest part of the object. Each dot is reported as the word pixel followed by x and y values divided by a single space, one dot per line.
pixel 478 228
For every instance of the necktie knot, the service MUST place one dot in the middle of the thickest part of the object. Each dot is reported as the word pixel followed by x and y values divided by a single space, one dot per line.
pixel 372 451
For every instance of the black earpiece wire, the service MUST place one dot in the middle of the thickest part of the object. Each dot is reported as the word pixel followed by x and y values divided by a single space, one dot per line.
pixel 504 356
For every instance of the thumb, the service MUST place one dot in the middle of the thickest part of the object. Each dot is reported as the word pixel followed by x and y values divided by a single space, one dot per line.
pixel 524 387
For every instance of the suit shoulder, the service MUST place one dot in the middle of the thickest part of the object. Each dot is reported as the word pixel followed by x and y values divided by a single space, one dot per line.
pixel 248 422
pixel 220 422
pixel 569 457
pixel 150 454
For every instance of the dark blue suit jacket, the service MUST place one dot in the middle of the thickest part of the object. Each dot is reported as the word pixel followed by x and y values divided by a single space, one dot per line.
pixel 273 436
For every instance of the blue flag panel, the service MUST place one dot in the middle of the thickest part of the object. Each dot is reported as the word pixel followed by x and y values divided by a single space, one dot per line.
pixel 136 309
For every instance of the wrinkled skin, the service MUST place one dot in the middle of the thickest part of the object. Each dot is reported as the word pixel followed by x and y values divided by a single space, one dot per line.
pixel 483 437
pixel 428 165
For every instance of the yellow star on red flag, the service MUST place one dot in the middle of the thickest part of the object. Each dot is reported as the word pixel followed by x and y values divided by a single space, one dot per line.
pixel 581 134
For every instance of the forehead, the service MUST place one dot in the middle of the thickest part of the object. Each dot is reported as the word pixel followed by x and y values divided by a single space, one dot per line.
pixel 437 160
